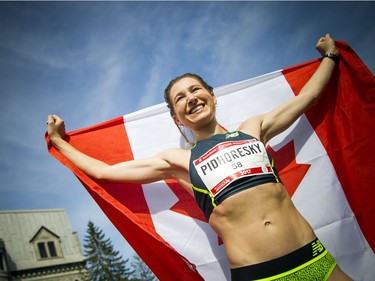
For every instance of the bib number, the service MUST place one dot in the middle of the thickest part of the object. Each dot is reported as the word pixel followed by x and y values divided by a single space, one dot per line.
pixel 229 161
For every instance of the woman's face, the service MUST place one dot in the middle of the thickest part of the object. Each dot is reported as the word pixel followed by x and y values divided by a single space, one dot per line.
pixel 193 105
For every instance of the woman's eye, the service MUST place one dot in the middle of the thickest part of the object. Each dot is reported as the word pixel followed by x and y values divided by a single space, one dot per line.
pixel 179 98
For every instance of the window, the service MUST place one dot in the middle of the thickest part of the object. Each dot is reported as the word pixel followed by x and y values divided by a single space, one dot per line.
pixel 42 250
pixel 52 249
pixel 47 250
pixel 46 244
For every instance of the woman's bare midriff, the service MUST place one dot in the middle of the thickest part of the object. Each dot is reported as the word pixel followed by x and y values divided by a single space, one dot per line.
pixel 260 224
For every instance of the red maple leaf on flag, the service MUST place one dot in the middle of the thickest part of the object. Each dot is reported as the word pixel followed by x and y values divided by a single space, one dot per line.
pixel 186 204
pixel 290 172
pixel 285 162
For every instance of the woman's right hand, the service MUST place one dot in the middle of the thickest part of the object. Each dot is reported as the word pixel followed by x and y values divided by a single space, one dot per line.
pixel 55 127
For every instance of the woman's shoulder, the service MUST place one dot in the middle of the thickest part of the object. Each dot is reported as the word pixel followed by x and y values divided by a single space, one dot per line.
pixel 176 155
pixel 178 160
pixel 252 126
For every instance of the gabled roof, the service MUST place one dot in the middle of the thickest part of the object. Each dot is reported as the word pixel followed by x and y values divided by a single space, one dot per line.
pixel 19 228
pixel 40 231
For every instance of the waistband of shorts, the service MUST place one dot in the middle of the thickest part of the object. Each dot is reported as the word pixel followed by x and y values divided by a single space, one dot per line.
pixel 281 264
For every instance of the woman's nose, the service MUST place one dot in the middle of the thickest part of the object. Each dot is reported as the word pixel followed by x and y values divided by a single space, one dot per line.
pixel 191 98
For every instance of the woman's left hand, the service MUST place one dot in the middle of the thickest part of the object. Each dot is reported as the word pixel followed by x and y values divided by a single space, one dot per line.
pixel 326 45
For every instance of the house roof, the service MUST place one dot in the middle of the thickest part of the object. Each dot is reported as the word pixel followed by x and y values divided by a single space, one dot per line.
pixel 19 228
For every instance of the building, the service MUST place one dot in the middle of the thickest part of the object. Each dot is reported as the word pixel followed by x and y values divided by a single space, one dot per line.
pixel 39 245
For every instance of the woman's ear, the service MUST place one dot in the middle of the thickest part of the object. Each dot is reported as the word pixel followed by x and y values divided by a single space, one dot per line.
pixel 215 99
pixel 175 119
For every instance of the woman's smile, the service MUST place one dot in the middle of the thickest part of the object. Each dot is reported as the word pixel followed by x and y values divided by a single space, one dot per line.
pixel 196 109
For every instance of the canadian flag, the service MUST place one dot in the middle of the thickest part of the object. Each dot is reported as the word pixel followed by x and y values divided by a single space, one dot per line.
pixel 325 160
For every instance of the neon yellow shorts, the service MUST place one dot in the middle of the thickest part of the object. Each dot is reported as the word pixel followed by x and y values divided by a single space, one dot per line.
pixel 311 262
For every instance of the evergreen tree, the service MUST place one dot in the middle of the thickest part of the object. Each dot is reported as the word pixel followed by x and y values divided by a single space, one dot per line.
pixel 103 262
pixel 142 271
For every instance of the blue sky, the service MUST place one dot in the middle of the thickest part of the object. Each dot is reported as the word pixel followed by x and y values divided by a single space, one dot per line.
pixel 93 61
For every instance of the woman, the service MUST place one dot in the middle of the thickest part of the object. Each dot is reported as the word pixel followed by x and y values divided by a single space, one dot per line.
pixel 264 235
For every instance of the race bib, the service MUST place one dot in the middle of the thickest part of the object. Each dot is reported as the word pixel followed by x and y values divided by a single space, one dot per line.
pixel 231 160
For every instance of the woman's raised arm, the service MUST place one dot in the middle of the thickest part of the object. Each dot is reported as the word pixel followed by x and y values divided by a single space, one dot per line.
pixel 136 171
pixel 268 125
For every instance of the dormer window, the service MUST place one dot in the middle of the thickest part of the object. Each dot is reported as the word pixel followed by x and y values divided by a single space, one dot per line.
pixel 46 244
pixel 47 249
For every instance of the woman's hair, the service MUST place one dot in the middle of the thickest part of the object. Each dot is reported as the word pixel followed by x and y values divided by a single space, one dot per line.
pixel 167 90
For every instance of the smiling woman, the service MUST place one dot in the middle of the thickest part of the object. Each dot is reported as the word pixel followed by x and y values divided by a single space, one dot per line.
pixel 193 106
pixel 197 87
pixel 232 178
pixel 194 85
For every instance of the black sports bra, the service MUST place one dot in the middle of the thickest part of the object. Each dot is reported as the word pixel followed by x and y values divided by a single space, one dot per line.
pixel 225 164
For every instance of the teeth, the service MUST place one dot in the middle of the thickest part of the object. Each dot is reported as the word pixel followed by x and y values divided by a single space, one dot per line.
pixel 195 109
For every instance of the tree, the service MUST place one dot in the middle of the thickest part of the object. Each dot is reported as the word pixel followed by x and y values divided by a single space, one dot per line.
pixel 103 262
pixel 142 271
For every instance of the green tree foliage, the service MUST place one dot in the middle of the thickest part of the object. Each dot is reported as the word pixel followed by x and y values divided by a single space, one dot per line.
pixel 142 271
pixel 103 262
